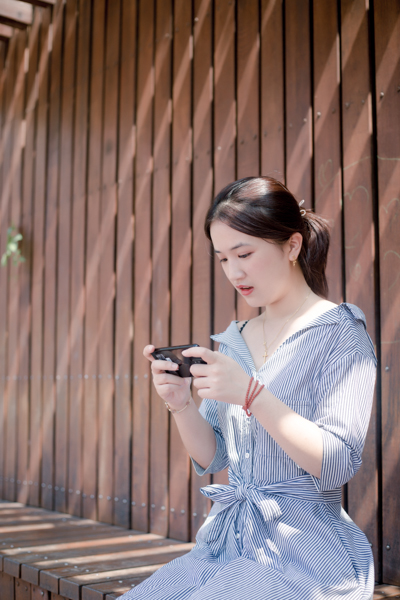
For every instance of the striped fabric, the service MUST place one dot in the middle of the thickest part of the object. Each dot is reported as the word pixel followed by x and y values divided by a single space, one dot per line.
pixel 276 532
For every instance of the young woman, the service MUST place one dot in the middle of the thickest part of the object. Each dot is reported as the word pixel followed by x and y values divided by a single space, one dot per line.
pixel 286 405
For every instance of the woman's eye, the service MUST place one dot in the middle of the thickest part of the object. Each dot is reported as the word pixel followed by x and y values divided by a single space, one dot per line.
pixel 222 260
pixel 244 255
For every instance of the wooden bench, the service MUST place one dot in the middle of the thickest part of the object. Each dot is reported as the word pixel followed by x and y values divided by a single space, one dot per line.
pixel 53 556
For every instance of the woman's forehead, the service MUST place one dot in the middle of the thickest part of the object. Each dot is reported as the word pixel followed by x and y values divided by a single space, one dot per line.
pixel 226 238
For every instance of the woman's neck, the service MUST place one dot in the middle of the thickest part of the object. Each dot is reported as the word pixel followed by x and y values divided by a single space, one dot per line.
pixel 298 297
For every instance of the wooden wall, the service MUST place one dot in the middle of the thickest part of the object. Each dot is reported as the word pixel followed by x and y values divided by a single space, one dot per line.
pixel 119 121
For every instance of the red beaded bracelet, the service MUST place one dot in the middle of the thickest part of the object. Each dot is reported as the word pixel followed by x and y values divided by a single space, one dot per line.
pixel 251 395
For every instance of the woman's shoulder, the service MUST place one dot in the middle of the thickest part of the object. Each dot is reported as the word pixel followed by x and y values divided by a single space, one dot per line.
pixel 352 334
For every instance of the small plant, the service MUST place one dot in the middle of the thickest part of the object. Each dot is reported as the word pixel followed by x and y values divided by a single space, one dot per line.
pixel 12 249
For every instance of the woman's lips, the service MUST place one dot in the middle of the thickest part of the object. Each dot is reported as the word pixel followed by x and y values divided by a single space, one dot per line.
pixel 245 291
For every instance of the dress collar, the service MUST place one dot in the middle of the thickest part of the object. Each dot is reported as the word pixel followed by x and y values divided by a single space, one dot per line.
pixel 332 316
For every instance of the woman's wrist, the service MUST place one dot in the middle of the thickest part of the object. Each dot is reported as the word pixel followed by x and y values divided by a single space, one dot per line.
pixel 176 410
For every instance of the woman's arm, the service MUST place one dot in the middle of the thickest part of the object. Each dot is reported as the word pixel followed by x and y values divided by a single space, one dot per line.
pixel 222 379
pixel 299 438
pixel 197 435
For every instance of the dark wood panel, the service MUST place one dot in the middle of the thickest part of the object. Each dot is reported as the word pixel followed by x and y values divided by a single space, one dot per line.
pixel 50 255
pixel 327 136
pixel 387 61
pixel 202 198
pixel 93 244
pixel 161 229
pixel 6 143
pixel 359 230
pixel 181 243
pixel 63 358
pixel 272 124
pixel 36 412
pixel 77 298
pixel 16 113
pixel 3 296
pixel 124 268
pixel 26 281
pixel 248 109
pixel 106 274
pixel 224 310
pixel 142 269
pixel 298 100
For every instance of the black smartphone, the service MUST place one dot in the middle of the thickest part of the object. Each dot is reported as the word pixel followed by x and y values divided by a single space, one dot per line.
pixel 174 354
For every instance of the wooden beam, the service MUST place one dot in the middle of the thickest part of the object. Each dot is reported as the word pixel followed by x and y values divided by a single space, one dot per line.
pixel 6 31
pixel 15 13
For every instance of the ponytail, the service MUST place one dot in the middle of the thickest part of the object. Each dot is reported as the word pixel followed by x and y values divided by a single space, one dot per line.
pixel 263 207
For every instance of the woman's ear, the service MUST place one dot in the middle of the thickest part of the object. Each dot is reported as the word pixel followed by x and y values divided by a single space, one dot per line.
pixel 295 243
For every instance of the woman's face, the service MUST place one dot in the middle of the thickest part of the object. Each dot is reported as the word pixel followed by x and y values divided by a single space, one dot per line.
pixel 259 270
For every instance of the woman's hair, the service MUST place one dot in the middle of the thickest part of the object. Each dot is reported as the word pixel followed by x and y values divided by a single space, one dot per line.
pixel 264 208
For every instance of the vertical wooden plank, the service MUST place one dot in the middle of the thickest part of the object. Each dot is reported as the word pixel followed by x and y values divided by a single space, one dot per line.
pixel 7 141
pixel 180 246
pixel 327 150
pixel 63 259
pixel 6 587
pixel 23 590
pixel 359 229
pixel 161 223
pixel 107 275
pixel 14 285
pixel 14 270
pixel 50 254
pixel 36 412
pixel 224 151
pixel 142 267
pixel 91 415
pixel 2 271
pixel 387 62
pixel 27 222
pixel 248 110
pixel 272 96
pixel 124 274
pixel 298 100
pixel 224 141
pixel 202 197
pixel 77 328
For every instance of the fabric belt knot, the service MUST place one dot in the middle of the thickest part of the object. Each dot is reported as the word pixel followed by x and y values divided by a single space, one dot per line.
pixel 258 499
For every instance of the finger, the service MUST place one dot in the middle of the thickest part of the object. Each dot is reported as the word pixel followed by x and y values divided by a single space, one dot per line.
pixel 167 379
pixel 200 370
pixel 199 351
pixel 147 350
pixel 160 366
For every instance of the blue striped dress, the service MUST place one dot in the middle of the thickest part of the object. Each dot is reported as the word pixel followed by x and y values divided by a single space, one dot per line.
pixel 276 532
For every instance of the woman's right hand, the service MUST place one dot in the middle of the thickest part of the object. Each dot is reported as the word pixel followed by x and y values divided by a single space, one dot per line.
pixel 172 389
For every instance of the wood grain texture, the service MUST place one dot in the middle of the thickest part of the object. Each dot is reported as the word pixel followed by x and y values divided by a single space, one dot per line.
pixel 50 256
pixel 359 231
pixel 202 198
pixel 181 246
pixel 161 231
pixel 142 268
pixel 36 412
pixel 327 136
pixel 77 289
pixel 93 246
pixel 272 126
pixel 387 63
pixel 124 268
pixel 298 100
pixel 224 142
pixel 63 358
pixel 248 109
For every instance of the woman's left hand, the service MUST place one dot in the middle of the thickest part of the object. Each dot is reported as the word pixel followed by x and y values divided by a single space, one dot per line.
pixel 220 379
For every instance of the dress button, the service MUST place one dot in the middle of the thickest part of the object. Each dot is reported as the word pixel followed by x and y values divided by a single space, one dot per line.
pixel 247 455
pixel 238 536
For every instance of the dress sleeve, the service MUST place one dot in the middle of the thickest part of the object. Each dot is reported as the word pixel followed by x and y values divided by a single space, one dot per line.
pixel 343 411
pixel 209 411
